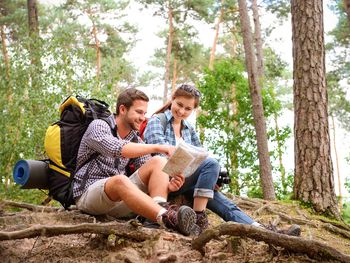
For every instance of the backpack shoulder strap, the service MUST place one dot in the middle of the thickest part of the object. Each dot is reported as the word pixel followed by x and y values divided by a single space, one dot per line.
pixel 163 121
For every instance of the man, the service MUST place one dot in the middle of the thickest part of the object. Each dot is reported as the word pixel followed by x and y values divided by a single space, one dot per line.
pixel 100 184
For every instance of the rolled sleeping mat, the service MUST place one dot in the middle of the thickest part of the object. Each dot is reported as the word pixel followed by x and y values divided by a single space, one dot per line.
pixel 31 174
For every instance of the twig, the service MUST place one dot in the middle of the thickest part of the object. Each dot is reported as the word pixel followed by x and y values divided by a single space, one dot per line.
pixel 312 248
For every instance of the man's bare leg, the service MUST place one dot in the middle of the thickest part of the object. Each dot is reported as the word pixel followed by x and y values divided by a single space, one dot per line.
pixel 119 188
pixel 151 175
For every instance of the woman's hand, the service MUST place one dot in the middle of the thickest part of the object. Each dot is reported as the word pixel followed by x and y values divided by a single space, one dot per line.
pixel 176 182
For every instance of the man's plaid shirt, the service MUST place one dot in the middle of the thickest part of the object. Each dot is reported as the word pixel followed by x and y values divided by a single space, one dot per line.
pixel 154 132
pixel 99 140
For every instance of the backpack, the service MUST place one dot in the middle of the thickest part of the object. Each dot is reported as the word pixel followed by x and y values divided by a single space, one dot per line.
pixel 62 141
pixel 144 124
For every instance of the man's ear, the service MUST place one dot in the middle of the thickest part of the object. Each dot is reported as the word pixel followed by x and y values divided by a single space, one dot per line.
pixel 122 109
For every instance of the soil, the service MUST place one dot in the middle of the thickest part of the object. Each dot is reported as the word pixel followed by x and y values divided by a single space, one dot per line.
pixel 165 246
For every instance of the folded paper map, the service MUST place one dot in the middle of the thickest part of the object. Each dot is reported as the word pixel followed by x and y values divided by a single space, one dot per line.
pixel 185 160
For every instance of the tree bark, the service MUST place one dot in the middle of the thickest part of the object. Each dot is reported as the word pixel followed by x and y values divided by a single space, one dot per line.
pixel 312 248
pixel 168 53
pixel 313 182
pixel 258 40
pixel 33 22
pixel 216 36
pixel 5 53
pixel 337 164
pixel 98 51
pixel 174 79
pixel 347 9
pixel 258 109
pixel 280 156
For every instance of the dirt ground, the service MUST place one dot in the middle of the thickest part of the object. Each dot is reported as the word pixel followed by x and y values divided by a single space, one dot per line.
pixel 165 246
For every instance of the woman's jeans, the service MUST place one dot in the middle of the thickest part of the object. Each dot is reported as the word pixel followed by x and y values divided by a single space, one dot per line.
pixel 227 209
pixel 202 183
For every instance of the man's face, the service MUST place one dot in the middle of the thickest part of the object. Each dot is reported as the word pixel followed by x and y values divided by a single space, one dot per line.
pixel 136 114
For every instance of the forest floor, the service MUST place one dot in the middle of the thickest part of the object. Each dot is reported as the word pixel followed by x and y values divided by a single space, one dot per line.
pixel 44 235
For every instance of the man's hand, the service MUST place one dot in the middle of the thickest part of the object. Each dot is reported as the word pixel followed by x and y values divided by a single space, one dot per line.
pixel 176 182
pixel 166 149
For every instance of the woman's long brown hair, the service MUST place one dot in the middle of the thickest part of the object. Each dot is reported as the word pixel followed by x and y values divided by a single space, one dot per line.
pixel 181 92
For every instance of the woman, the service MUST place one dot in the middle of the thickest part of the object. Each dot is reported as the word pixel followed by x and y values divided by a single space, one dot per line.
pixel 201 184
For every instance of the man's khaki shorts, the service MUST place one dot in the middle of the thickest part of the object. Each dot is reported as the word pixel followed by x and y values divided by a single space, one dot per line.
pixel 96 202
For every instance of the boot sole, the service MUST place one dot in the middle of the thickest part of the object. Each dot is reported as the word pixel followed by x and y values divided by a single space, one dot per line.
pixel 186 220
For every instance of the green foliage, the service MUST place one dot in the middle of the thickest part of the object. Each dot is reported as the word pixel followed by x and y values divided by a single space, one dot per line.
pixel 281 8
pixel 346 212
pixel 66 60
pixel 230 132
pixel 338 78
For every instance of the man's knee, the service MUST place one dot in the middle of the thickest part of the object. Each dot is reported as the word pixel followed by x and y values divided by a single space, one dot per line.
pixel 115 184
pixel 158 161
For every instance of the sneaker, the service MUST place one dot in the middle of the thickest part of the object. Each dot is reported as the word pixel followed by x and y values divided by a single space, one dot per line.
pixel 181 218
pixel 293 230
pixel 202 220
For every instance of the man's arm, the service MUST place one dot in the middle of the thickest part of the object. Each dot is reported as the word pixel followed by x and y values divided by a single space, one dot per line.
pixel 133 150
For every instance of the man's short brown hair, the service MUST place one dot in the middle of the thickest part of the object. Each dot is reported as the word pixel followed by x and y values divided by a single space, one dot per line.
pixel 128 96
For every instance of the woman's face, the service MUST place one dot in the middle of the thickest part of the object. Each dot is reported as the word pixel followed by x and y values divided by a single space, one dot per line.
pixel 182 107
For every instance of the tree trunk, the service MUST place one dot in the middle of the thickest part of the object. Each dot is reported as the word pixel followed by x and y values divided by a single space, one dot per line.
pixel 258 40
pixel 33 21
pixel 217 28
pixel 233 157
pixel 258 109
pixel 347 9
pixel 168 54
pixel 5 53
pixel 337 164
pixel 98 51
pixel 34 47
pixel 314 182
pixel 174 79
pixel 280 154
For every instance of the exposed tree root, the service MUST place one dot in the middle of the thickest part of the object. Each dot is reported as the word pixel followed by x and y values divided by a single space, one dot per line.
pixel 119 229
pixel 30 207
pixel 312 248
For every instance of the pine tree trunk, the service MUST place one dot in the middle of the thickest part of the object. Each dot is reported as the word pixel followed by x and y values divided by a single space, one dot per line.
pixel 234 159
pixel 98 51
pixel 280 156
pixel 33 21
pixel 35 56
pixel 314 182
pixel 174 79
pixel 216 36
pixel 258 109
pixel 337 164
pixel 5 53
pixel 347 9
pixel 168 54
pixel 258 40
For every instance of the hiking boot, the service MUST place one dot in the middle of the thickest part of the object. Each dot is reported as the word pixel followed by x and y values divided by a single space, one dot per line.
pixel 293 230
pixel 202 220
pixel 181 218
